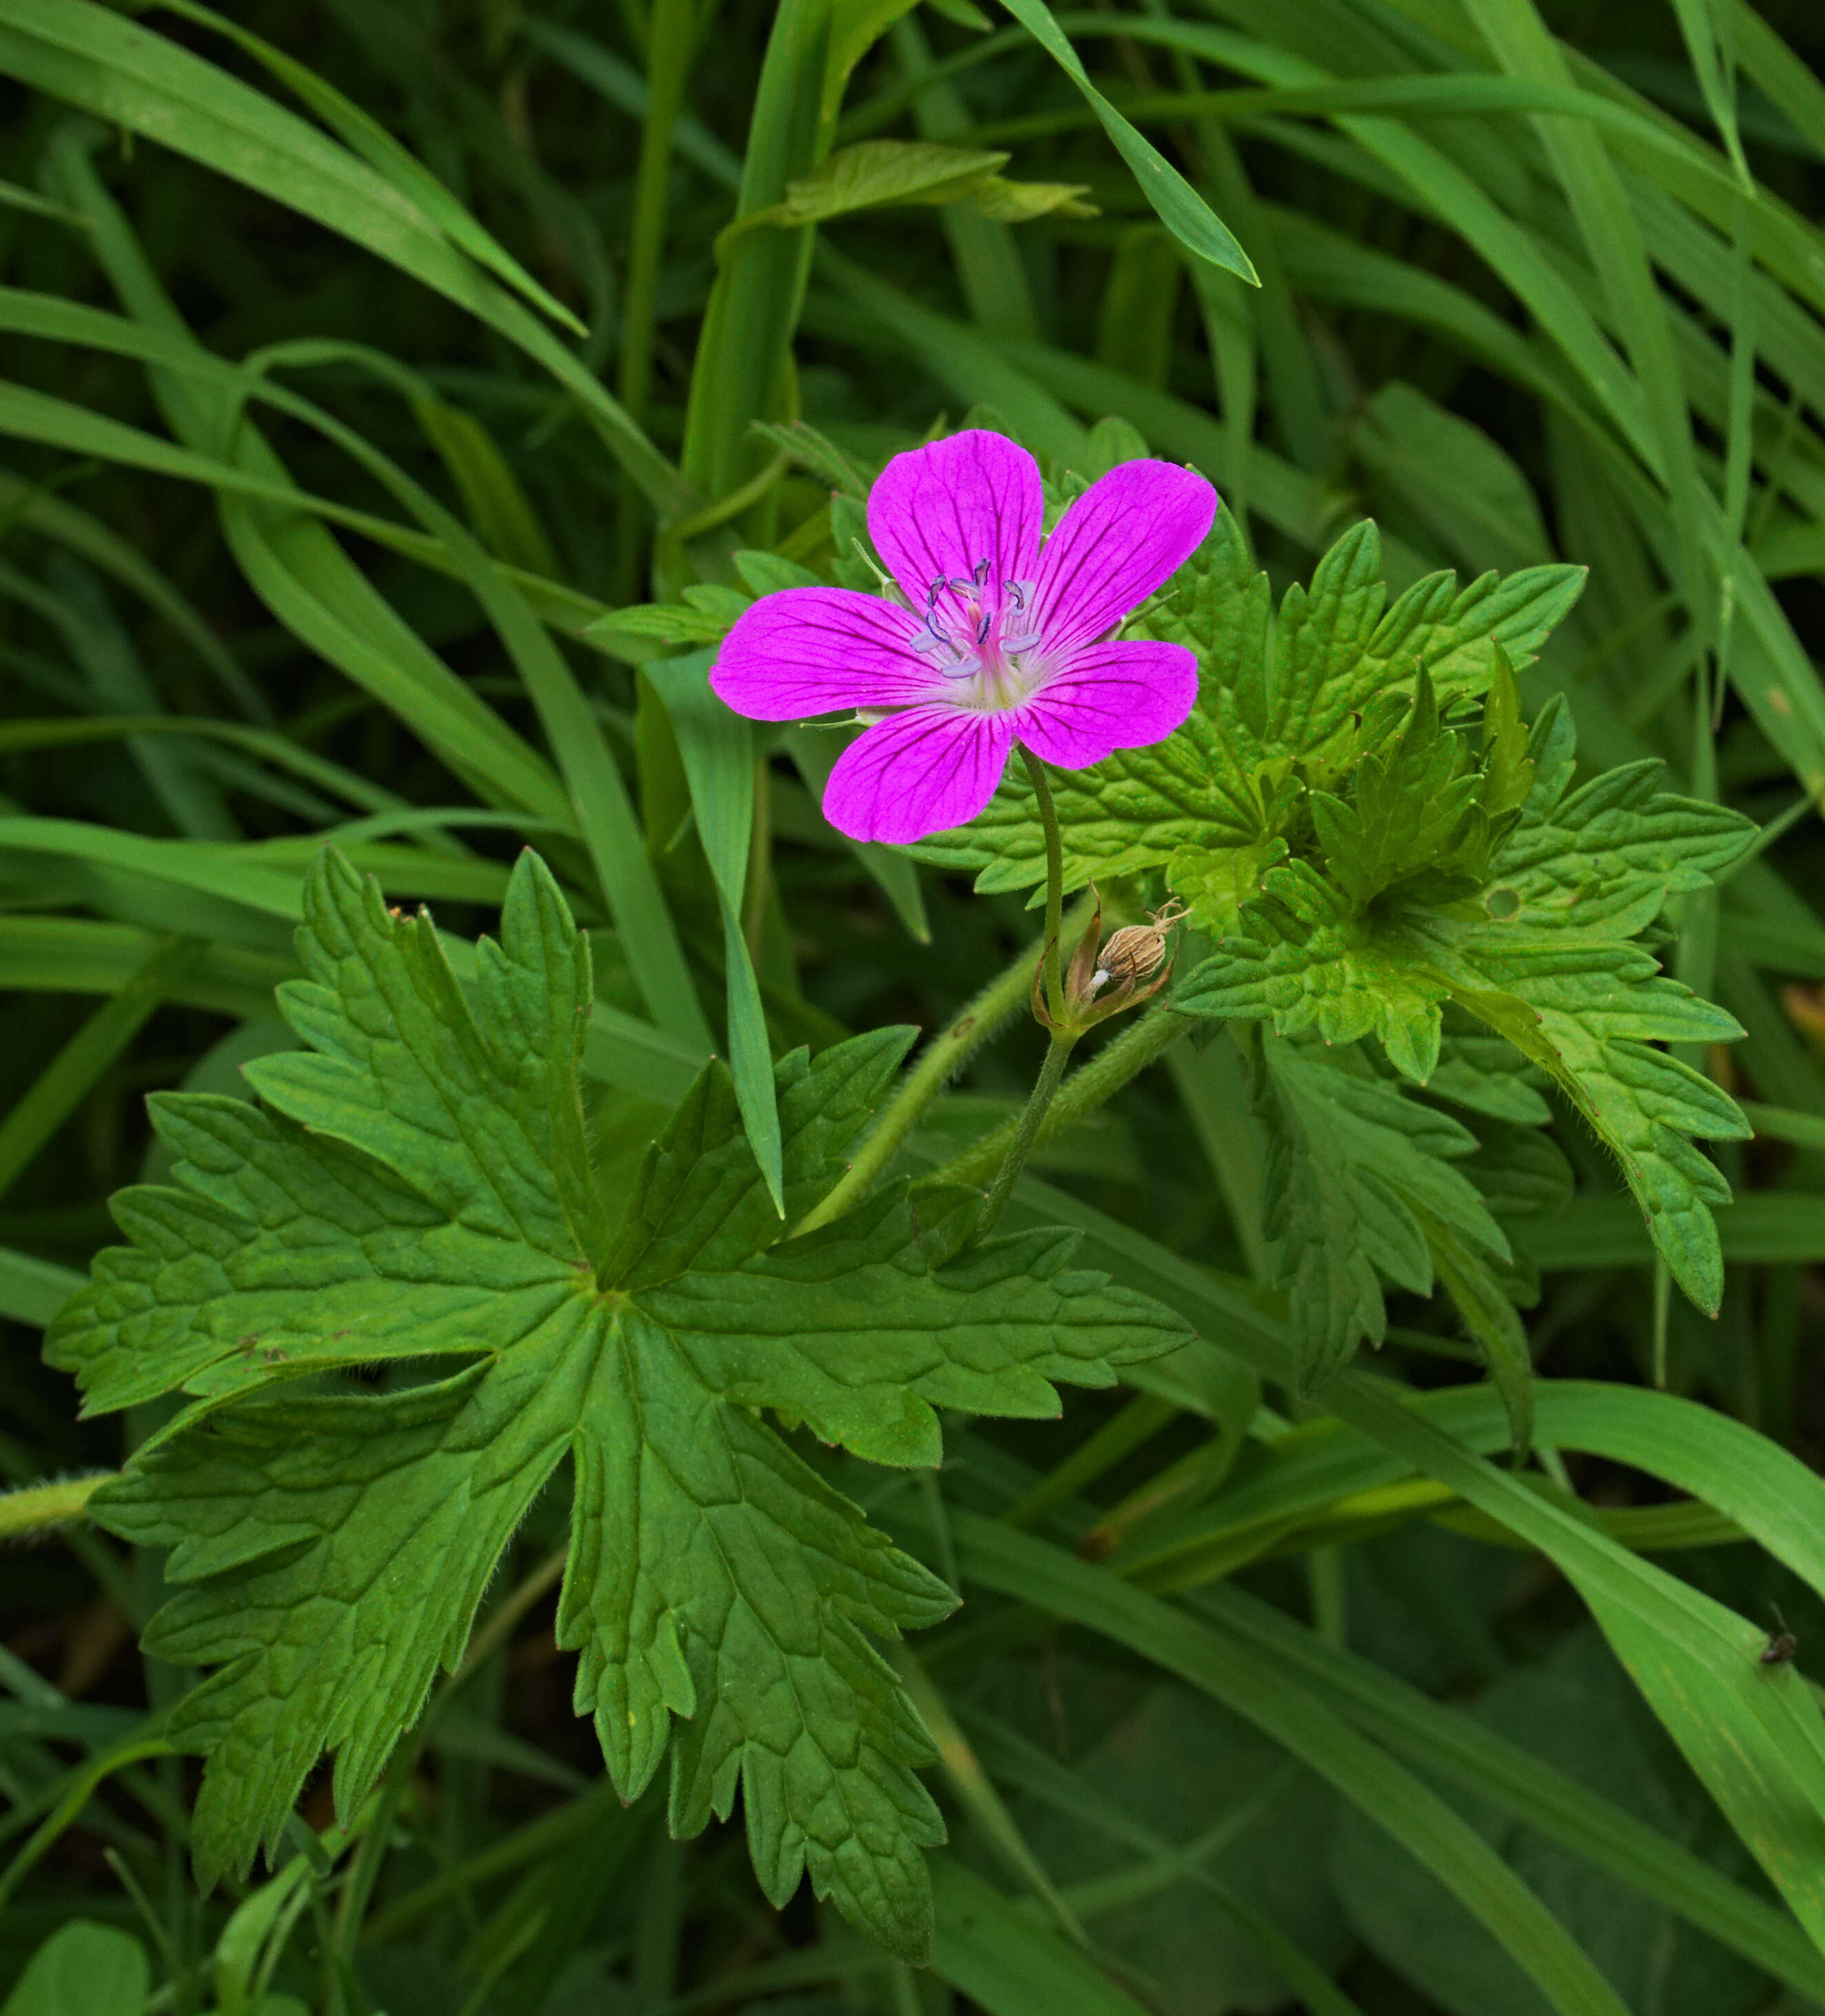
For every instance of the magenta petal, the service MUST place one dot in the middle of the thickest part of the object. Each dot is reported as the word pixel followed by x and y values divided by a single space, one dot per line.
pixel 1107 696
pixel 1129 532
pixel 928 768
pixel 811 650
pixel 937 512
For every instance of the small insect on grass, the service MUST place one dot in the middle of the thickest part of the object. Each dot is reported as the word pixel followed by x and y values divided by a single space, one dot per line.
pixel 1783 1647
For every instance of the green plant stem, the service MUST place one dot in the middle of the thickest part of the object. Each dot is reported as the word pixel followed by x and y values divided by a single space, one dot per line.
pixel 1054 882
pixel 1026 1132
pixel 943 1057
pixel 1063 1037
pixel 1140 1044
pixel 753 309
pixel 41 1507
pixel 667 64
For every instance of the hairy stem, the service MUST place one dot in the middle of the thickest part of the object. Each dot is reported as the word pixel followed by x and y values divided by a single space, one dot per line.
pixel 1054 882
pixel 1140 1044
pixel 1026 1132
pixel 40 1507
pixel 943 1057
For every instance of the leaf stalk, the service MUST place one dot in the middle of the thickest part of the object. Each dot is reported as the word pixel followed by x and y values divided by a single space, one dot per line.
pixel 1026 1131
pixel 942 1059
pixel 1054 983
pixel 39 1508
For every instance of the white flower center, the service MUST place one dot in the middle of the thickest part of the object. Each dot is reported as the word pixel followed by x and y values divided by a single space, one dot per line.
pixel 980 636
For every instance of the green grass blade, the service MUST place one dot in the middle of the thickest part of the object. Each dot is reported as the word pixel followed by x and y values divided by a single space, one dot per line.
pixel 33 1290
pixel 716 746
pixel 72 1074
pixel 1173 200
pixel 623 86
pixel 97 956
pixel 1032 1572
pixel 753 309
pixel 290 560
pixel 368 138
pixel 1034 1771
pixel 815 752
pixel 1458 1747
pixel 1004 1962
pixel 1751 1732
pixel 93 58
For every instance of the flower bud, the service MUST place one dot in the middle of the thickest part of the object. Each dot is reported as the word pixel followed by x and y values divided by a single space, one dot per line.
pixel 1136 952
pixel 1128 965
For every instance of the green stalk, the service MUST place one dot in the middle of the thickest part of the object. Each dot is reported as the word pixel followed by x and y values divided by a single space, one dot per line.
pixel 944 1057
pixel 39 1508
pixel 1026 1132
pixel 1064 1036
pixel 753 305
pixel 1054 882
pixel 668 45
pixel 1138 1046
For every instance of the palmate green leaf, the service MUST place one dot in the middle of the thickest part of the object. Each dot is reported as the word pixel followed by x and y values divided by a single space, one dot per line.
pixel 418 1185
pixel 1579 1000
pixel 1361 1188
pixel 1589 1016
pixel 1600 861
pixel 1405 806
pixel 1477 1071
pixel 1207 803
pixel 1303 960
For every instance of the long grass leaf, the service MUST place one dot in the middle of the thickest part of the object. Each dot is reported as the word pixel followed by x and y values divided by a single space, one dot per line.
pixel 1173 198
pixel 716 746
pixel 1034 1572
pixel 1751 1732
pixel 92 57
pixel 72 1074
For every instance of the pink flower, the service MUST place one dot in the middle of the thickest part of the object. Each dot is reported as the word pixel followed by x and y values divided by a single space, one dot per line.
pixel 999 638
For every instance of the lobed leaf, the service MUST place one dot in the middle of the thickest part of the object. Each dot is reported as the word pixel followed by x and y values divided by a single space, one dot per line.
pixel 1272 718
pixel 1577 998
pixel 418 1183
pixel 1360 1188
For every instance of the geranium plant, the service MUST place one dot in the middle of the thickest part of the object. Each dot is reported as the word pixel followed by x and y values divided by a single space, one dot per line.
pixel 906 1168
pixel 419 1181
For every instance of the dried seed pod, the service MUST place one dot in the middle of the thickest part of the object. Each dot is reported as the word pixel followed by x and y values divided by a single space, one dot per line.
pixel 1136 952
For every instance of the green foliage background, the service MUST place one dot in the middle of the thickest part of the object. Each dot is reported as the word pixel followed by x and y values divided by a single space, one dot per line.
pixel 390 413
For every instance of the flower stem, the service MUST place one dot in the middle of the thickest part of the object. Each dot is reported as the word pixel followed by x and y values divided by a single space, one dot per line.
pixel 1138 1046
pixel 1026 1132
pixel 1054 882
pixel 943 1057
pixel 24 1514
